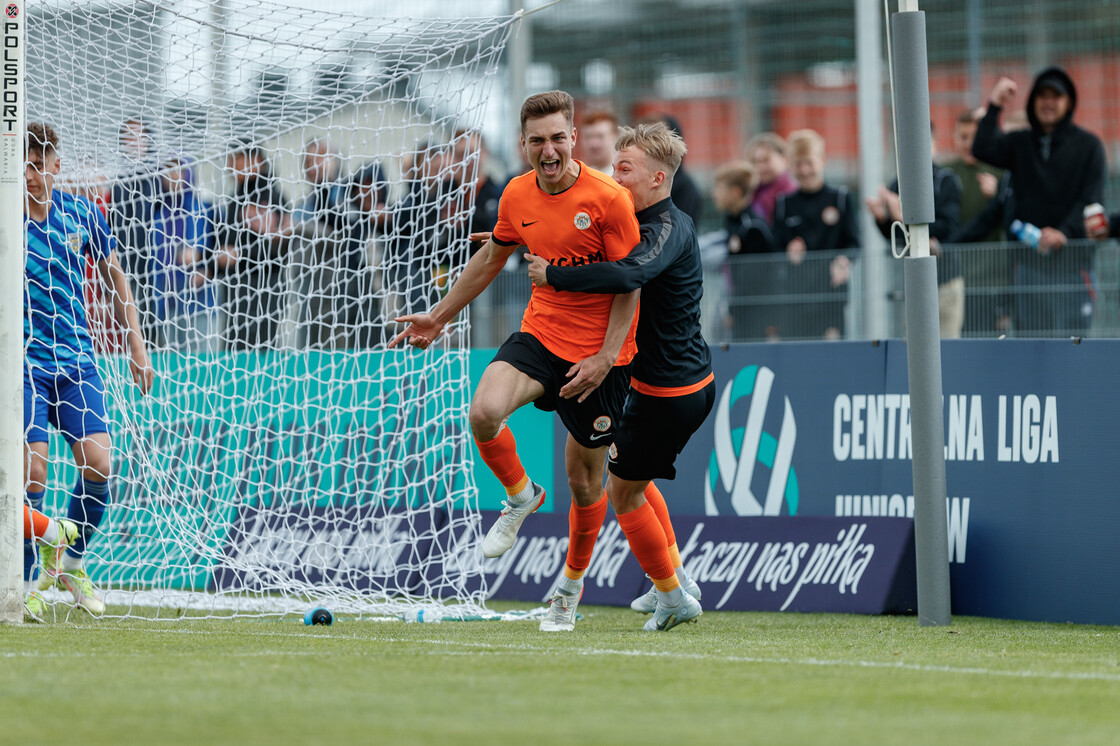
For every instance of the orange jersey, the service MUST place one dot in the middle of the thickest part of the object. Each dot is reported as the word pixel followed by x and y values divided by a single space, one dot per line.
pixel 590 221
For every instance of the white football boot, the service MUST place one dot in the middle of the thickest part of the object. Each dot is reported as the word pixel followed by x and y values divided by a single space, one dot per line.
pixel 503 533
pixel 647 602
pixel 667 617
pixel 561 612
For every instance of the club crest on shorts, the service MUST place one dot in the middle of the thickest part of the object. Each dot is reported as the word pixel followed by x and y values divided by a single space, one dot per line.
pixel 583 221
pixel 612 452
pixel 602 424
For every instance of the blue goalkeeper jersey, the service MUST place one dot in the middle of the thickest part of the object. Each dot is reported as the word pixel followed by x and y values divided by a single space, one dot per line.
pixel 54 323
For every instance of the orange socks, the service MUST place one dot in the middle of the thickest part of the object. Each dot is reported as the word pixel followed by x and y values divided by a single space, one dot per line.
pixel 675 555
pixel 500 454
pixel 583 529
pixel 657 501
pixel 35 524
pixel 647 542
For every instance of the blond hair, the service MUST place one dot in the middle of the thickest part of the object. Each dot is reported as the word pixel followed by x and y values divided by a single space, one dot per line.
pixel 772 141
pixel 551 102
pixel 805 144
pixel 657 141
pixel 740 174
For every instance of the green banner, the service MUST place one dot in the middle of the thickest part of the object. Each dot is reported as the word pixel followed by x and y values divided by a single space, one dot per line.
pixel 258 429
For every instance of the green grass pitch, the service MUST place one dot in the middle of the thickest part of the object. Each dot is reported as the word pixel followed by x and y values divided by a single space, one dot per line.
pixel 732 678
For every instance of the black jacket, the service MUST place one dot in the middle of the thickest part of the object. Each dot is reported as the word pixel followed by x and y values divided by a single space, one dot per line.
pixel 1114 226
pixel 747 233
pixel 946 220
pixel 666 265
pixel 686 196
pixel 826 220
pixel 1049 191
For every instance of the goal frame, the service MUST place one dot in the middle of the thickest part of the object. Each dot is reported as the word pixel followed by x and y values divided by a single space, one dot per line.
pixel 12 190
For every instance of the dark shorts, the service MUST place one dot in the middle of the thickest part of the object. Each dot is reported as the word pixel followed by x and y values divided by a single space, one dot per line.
pixel 73 401
pixel 653 432
pixel 593 424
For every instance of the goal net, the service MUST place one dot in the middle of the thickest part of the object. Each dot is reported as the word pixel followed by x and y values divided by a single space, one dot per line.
pixel 281 183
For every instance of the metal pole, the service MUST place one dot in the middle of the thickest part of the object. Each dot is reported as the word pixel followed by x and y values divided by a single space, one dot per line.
pixel 923 343
pixel 973 22
pixel 520 57
pixel 12 193
pixel 869 74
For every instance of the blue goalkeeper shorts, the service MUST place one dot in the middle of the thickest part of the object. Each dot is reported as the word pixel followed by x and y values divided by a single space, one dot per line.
pixel 72 400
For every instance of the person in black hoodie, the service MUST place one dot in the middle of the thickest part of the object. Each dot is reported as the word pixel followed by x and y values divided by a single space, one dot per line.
pixel 1057 169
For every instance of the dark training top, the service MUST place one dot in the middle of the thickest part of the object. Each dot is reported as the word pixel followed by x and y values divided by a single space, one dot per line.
pixel 826 220
pixel 672 352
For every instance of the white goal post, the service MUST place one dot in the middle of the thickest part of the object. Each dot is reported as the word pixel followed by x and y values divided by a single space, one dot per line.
pixel 280 183
pixel 11 314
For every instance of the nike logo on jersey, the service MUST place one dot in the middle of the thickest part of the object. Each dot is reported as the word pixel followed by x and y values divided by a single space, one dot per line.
pixel 526 225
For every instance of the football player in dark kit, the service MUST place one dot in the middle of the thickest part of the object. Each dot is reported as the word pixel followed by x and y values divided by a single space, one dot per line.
pixel 672 387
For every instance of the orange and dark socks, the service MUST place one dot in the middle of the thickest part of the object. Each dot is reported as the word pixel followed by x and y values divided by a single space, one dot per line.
pixel 500 454
pixel 647 541
pixel 584 523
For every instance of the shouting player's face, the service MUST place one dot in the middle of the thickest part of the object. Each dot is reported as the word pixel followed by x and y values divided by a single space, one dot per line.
pixel 548 143
pixel 39 175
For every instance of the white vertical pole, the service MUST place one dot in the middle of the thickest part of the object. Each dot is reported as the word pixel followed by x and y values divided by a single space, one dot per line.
pixel 869 74
pixel 12 106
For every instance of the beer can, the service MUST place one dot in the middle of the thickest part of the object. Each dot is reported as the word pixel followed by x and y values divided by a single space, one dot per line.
pixel 1096 222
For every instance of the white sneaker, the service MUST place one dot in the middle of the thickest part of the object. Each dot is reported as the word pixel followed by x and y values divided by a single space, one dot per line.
pixel 647 603
pixel 83 590
pixel 561 612
pixel 503 533
pixel 667 617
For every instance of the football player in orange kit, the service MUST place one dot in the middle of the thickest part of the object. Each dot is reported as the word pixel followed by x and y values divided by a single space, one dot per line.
pixel 573 352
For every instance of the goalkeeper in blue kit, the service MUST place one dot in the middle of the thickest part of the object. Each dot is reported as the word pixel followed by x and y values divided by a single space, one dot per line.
pixel 61 384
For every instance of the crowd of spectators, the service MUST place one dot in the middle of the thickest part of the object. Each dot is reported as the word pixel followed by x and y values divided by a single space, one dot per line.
pixel 258 269
pixel 331 268
pixel 1009 231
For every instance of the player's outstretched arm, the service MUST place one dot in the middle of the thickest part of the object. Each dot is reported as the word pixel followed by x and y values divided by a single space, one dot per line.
pixel 653 254
pixel 124 308
pixel 588 373
pixel 483 267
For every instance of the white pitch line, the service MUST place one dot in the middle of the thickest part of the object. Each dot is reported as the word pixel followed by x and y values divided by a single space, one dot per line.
pixel 520 649
pixel 193 655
